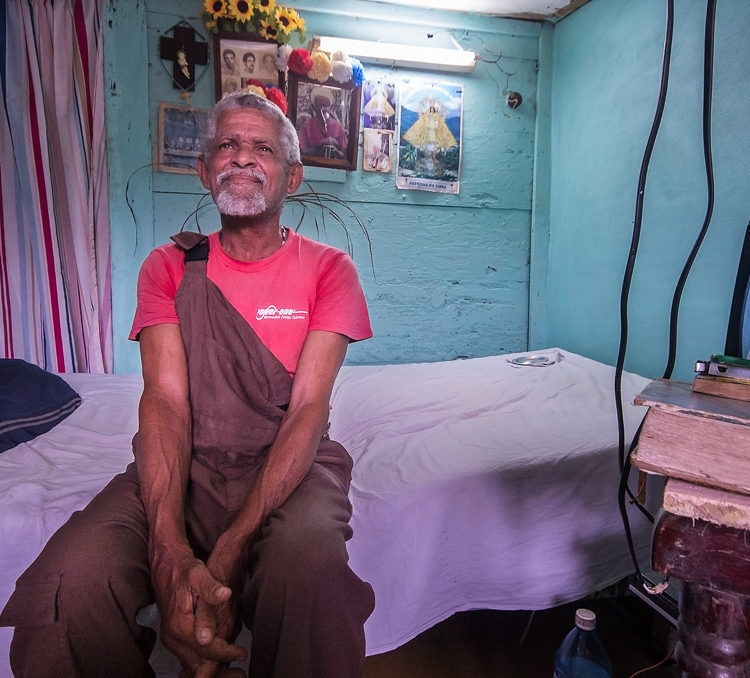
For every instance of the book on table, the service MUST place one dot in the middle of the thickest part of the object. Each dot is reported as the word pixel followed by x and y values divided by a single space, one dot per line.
pixel 694 436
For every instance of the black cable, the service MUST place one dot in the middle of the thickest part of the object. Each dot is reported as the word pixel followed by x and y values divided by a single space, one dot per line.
pixel 630 265
pixel 628 276
pixel 707 98
pixel 708 82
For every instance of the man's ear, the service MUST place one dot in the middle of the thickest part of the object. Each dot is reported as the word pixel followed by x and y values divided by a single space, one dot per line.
pixel 294 180
pixel 202 169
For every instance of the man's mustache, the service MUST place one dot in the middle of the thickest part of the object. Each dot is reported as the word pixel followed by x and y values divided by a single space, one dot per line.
pixel 247 174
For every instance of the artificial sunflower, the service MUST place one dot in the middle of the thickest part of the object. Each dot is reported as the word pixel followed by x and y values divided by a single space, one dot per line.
pixel 285 18
pixel 268 29
pixel 216 9
pixel 240 10
pixel 266 6
pixel 299 22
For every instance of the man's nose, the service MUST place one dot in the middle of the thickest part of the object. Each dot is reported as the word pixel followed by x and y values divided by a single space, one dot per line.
pixel 244 156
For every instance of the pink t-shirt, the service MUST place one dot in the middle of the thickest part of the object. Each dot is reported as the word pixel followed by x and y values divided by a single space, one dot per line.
pixel 303 286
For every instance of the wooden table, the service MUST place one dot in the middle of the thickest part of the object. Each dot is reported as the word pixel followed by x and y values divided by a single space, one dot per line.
pixel 702 535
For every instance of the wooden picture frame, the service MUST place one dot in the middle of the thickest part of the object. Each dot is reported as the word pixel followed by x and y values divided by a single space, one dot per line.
pixel 179 137
pixel 329 134
pixel 242 57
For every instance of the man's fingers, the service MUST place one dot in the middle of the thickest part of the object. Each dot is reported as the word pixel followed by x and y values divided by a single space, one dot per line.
pixel 208 669
pixel 223 651
pixel 187 657
pixel 205 622
pixel 211 669
pixel 214 592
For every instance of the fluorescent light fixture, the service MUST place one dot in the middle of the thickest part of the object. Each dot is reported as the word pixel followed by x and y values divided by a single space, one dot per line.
pixel 408 56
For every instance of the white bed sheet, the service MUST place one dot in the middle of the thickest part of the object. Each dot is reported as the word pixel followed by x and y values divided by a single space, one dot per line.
pixel 477 483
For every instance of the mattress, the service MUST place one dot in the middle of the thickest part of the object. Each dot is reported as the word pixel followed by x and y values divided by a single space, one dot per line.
pixel 480 483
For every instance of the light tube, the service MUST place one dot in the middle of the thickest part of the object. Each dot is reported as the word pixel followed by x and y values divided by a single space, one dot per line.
pixel 408 56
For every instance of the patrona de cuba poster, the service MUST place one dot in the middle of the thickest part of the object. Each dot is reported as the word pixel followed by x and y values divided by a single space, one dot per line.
pixel 431 116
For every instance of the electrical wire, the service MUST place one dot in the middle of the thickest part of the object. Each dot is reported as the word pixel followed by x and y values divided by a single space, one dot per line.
pixel 674 313
pixel 624 458
pixel 708 67
pixel 641 190
pixel 653 667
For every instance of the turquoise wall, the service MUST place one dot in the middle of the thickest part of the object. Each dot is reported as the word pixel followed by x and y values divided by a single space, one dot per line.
pixel 536 242
pixel 604 79
pixel 449 274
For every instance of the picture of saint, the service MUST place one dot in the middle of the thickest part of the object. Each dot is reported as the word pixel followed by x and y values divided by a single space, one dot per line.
pixel 429 147
pixel 430 130
pixel 321 133
pixel 378 150
pixel 379 108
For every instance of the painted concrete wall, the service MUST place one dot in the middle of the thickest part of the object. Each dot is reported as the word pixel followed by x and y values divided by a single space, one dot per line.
pixel 606 67
pixel 449 275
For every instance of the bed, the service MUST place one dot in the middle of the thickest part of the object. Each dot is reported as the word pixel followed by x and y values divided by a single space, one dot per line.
pixel 481 483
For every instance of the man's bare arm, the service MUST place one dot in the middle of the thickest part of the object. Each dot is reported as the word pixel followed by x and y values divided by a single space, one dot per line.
pixel 164 434
pixel 163 453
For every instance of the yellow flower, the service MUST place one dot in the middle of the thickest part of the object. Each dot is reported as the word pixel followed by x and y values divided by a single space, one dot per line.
pixel 285 17
pixel 268 29
pixel 266 6
pixel 253 89
pixel 216 8
pixel 241 10
pixel 321 68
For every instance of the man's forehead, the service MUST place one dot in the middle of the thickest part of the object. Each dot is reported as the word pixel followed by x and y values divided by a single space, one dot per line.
pixel 247 122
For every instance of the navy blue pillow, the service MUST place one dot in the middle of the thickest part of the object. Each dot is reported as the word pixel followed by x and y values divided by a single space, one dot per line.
pixel 32 401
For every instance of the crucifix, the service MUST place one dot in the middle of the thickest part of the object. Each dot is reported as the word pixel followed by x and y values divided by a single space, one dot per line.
pixel 184 52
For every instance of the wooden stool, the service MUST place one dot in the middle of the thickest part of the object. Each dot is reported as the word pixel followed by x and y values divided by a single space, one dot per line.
pixel 713 563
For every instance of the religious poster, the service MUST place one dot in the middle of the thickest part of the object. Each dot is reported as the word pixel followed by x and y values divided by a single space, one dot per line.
pixel 379 125
pixel 429 157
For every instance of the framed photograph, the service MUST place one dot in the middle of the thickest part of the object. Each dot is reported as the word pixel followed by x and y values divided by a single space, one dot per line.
pixel 180 132
pixel 240 58
pixel 326 116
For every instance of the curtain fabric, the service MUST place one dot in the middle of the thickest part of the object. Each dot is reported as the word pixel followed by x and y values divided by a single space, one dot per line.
pixel 55 284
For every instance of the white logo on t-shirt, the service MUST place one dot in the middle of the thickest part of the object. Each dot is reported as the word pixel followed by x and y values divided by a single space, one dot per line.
pixel 273 313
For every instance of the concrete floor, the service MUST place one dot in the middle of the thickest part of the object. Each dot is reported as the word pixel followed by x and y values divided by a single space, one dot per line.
pixel 517 644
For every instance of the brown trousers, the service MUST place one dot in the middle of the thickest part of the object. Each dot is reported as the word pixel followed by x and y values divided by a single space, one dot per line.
pixel 74 608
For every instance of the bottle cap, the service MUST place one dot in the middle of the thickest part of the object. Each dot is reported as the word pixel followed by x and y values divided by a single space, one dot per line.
pixel 585 619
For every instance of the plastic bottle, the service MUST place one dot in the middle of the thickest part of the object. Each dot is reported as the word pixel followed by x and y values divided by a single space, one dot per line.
pixel 581 654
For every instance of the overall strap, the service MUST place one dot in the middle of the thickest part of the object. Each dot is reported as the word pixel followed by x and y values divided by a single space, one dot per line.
pixel 194 244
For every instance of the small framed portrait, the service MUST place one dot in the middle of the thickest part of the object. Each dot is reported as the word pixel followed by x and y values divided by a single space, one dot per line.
pixel 239 60
pixel 326 116
pixel 179 138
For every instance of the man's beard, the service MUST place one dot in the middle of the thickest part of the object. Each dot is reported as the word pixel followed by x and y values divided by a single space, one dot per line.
pixel 245 200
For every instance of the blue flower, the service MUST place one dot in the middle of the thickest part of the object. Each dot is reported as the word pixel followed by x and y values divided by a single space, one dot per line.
pixel 358 75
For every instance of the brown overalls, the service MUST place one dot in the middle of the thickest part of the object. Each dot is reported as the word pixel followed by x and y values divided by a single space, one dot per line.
pixel 74 608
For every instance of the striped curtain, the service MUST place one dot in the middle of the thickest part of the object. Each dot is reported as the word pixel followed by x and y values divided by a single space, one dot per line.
pixel 55 285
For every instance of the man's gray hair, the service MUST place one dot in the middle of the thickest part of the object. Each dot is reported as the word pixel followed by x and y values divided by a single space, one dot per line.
pixel 287 136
